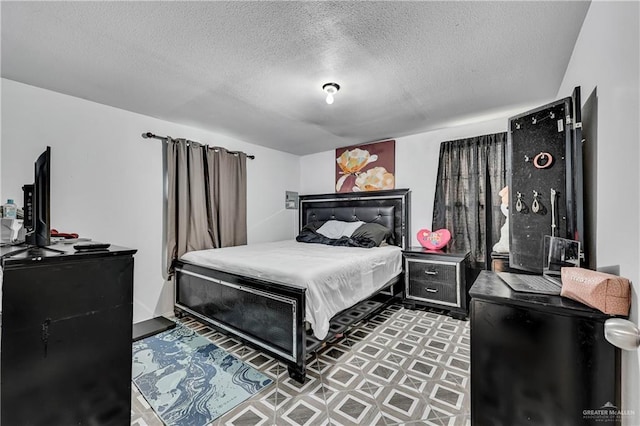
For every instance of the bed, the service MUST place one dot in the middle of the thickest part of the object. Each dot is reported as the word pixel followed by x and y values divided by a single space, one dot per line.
pixel 240 291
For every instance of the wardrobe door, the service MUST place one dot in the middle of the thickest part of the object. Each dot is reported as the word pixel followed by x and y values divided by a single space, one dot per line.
pixel 540 156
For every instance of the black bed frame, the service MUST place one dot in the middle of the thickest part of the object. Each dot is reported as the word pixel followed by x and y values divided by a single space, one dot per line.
pixel 270 315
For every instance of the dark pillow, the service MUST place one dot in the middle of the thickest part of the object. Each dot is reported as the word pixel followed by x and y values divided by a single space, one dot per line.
pixel 315 225
pixel 374 231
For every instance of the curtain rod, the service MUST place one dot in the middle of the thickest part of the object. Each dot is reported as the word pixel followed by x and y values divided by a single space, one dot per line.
pixel 149 135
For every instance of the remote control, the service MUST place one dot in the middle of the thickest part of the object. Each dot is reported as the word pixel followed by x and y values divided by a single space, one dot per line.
pixel 91 246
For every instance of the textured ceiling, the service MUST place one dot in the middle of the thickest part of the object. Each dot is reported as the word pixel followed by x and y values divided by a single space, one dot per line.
pixel 254 70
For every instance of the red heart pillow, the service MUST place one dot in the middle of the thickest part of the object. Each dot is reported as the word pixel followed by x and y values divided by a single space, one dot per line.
pixel 433 240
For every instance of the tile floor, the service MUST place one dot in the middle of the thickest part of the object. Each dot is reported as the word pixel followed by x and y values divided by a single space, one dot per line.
pixel 400 367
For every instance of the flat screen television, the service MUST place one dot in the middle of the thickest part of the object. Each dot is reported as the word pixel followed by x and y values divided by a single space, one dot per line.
pixel 40 234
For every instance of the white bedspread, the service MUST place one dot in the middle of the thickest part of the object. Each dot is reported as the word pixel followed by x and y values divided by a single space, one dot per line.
pixel 335 277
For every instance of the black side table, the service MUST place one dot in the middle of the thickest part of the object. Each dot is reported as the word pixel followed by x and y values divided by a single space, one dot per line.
pixel 437 279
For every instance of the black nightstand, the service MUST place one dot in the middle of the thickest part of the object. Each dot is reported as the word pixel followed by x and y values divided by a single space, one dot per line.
pixel 437 279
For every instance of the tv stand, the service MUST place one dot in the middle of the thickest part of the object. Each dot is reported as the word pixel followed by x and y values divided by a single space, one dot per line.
pixel 31 251
pixel 66 336
pixel 35 250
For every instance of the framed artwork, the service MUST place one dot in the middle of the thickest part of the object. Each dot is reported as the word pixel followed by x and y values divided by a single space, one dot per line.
pixel 369 167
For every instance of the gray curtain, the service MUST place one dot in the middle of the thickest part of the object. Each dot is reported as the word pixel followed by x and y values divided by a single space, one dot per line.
pixel 207 198
pixel 471 172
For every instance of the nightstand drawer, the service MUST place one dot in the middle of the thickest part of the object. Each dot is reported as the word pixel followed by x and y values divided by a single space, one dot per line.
pixel 433 272
pixel 438 292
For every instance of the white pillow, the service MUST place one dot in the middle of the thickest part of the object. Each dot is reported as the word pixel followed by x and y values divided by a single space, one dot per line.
pixel 335 229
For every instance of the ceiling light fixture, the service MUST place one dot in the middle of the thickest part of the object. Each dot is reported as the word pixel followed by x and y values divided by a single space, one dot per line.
pixel 331 89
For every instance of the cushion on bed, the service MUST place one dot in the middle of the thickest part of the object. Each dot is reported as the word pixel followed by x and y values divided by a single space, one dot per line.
pixel 307 235
pixel 314 225
pixel 374 231
pixel 336 228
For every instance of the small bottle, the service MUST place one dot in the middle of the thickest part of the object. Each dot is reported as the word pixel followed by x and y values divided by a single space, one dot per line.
pixel 10 210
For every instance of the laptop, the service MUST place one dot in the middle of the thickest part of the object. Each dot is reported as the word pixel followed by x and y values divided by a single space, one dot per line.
pixel 558 253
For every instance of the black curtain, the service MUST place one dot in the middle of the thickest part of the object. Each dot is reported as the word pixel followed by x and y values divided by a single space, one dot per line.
pixel 471 172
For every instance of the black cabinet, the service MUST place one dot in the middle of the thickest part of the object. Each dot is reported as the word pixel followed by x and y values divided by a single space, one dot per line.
pixel 437 279
pixel 539 360
pixel 66 337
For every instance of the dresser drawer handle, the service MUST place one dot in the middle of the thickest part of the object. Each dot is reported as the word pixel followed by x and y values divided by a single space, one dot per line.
pixel 432 290
pixel 431 272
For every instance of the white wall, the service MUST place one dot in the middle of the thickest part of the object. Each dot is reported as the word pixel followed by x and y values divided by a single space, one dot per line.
pixel 606 59
pixel 417 159
pixel 107 180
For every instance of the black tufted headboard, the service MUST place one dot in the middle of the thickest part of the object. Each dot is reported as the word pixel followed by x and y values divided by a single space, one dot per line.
pixel 388 208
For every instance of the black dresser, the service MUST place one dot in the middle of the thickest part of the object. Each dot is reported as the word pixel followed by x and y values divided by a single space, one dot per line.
pixel 66 337
pixel 539 360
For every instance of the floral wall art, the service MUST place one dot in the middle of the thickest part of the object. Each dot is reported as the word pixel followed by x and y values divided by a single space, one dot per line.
pixel 369 167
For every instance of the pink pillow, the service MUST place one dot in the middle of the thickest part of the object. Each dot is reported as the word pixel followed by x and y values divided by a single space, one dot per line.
pixel 433 240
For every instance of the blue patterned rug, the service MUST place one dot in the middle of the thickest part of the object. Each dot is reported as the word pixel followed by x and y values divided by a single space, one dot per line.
pixel 190 381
